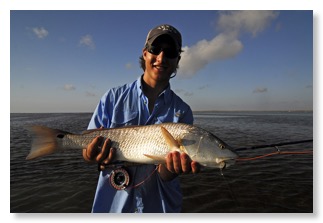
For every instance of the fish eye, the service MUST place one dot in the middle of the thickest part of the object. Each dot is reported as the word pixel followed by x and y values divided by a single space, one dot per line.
pixel 221 146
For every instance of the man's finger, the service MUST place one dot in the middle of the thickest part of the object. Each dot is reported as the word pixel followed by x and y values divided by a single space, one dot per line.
pixel 104 151
pixel 169 163
pixel 186 163
pixel 177 162
pixel 93 148
pixel 196 167
pixel 86 158
pixel 110 157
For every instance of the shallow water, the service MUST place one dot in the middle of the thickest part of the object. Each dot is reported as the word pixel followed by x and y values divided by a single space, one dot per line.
pixel 280 183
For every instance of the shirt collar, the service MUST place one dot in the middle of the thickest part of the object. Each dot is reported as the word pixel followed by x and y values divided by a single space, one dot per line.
pixel 139 87
pixel 167 94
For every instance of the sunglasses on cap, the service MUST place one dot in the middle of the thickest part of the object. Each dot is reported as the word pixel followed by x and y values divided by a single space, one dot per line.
pixel 168 52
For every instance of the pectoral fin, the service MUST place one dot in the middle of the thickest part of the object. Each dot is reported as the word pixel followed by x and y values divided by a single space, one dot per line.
pixel 171 142
pixel 181 146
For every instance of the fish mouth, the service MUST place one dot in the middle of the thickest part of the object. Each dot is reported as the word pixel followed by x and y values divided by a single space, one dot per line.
pixel 226 161
pixel 231 160
pixel 227 157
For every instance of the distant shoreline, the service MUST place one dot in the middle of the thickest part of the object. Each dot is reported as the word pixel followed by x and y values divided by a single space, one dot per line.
pixel 196 111
pixel 253 111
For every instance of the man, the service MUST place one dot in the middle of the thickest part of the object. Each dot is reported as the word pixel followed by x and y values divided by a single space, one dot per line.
pixel 148 100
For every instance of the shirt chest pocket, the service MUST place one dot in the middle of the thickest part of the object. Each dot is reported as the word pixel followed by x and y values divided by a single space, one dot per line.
pixel 123 118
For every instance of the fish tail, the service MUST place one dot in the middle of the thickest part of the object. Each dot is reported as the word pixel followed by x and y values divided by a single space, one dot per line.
pixel 45 141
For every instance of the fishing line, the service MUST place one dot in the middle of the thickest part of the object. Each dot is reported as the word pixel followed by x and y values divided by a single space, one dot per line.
pixel 147 178
pixel 278 152
pixel 273 145
pixel 233 196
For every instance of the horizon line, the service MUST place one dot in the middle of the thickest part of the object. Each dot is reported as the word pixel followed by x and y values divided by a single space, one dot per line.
pixel 211 110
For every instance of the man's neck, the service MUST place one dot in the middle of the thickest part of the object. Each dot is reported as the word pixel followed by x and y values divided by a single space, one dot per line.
pixel 152 91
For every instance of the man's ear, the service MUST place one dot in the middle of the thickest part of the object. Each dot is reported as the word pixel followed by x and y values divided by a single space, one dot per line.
pixel 144 53
pixel 179 58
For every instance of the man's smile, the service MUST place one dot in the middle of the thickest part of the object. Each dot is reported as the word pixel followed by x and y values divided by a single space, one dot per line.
pixel 160 67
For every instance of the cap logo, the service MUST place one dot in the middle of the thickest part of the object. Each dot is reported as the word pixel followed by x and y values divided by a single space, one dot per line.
pixel 167 28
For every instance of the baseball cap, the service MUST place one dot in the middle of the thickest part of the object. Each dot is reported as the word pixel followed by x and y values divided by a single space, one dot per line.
pixel 164 29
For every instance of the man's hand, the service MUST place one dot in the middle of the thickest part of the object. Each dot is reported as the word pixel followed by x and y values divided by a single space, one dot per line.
pixel 98 153
pixel 177 163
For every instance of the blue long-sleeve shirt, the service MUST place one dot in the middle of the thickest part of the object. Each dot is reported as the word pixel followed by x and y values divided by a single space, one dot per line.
pixel 127 105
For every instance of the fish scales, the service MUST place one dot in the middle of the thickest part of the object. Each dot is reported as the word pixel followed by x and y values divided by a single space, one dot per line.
pixel 133 143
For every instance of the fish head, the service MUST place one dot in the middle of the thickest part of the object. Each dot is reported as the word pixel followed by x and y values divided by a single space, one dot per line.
pixel 207 149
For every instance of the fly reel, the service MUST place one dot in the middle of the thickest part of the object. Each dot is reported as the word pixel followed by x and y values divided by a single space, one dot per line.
pixel 119 179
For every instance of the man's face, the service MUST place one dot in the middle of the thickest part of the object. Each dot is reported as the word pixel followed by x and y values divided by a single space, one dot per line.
pixel 161 59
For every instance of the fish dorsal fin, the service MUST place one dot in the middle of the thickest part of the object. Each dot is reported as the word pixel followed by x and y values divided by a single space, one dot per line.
pixel 171 142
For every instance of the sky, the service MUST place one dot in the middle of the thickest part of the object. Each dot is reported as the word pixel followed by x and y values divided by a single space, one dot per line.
pixel 64 61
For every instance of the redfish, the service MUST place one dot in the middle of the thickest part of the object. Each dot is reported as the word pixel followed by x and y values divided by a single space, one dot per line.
pixel 148 144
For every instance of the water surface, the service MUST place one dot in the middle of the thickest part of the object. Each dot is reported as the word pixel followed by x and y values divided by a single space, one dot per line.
pixel 282 183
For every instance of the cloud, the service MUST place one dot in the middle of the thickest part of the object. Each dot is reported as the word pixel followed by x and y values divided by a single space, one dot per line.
pixel 198 56
pixel 260 90
pixel 179 91
pixel 184 92
pixel 69 87
pixel 90 94
pixel 252 21
pixel 40 32
pixel 226 44
pixel 188 94
pixel 129 66
pixel 87 41
pixel 203 87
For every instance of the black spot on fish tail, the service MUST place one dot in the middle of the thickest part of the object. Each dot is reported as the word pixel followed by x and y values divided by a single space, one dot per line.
pixel 45 141
pixel 60 136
